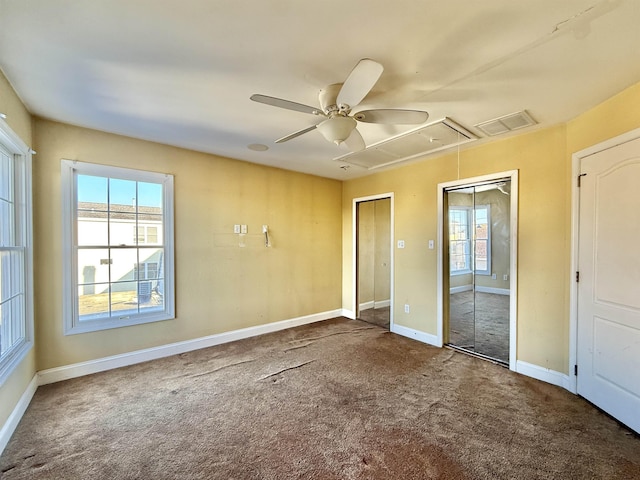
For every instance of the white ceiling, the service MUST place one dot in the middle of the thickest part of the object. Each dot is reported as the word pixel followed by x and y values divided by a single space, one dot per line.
pixel 182 72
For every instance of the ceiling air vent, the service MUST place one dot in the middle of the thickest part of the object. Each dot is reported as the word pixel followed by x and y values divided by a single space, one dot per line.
pixel 507 123
pixel 421 141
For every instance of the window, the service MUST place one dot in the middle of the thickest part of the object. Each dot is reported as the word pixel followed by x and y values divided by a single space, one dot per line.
pixel 16 299
pixel 466 229
pixel 145 234
pixel 116 278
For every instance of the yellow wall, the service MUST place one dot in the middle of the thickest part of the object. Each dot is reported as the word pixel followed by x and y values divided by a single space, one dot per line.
pixel 543 272
pixel 19 121
pixel 543 159
pixel 18 117
pixel 220 286
pixel 374 218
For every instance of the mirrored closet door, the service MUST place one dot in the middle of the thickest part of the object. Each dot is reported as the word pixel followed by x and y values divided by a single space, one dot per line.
pixel 478 230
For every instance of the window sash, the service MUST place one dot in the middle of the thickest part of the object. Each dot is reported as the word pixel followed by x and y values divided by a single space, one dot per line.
pixel 16 255
pixel 469 240
pixel 103 288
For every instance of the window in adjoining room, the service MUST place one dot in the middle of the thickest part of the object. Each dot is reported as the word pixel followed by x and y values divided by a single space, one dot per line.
pixel 469 239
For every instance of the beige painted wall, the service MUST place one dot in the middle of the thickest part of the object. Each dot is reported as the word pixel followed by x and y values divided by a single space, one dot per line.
pixel 366 252
pixel 374 256
pixel 220 285
pixel 18 117
pixel 543 159
pixel 543 275
pixel 19 120
pixel 382 269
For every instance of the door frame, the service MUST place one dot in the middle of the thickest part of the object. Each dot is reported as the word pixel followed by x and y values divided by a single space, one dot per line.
pixel 577 158
pixel 513 260
pixel 354 236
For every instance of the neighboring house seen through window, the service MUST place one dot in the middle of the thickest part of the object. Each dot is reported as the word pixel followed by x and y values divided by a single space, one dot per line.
pixel 116 278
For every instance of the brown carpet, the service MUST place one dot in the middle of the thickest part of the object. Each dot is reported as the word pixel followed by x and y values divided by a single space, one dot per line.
pixel 479 323
pixel 339 399
pixel 377 316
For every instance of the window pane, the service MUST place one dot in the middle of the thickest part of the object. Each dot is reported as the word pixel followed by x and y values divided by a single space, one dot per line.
pixel 121 228
pixel 93 300
pixel 5 327
pixel 152 256
pixel 6 175
pixel 92 192
pixel 124 298
pixel 17 313
pixel 481 255
pixel 92 228
pixel 93 265
pixel 123 263
pixel 153 302
pixel 6 226
pixel 122 192
pixel 149 195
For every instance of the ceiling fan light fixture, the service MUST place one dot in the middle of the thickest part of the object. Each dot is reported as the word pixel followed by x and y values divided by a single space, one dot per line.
pixel 337 129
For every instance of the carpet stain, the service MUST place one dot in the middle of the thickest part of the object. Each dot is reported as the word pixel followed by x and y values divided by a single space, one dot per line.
pixel 409 455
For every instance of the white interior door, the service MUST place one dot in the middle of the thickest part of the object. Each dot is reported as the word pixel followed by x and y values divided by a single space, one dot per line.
pixel 608 350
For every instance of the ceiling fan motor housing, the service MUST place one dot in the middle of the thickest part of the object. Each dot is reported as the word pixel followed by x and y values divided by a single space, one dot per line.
pixel 328 98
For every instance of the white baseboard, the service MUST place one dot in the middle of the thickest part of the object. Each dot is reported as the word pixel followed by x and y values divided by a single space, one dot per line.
pixel 416 335
pixel 494 290
pixel 544 374
pixel 375 304
pixel 348 313
pixel 366 305
pixel 116 361
pixel 460 289
pixel 479 288
pixel 16 415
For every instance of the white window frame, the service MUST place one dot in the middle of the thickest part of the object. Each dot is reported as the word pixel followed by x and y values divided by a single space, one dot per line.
pixel 22 186
pixel 468 241
pixel 486 271
pixel 471 239
pixel 72 323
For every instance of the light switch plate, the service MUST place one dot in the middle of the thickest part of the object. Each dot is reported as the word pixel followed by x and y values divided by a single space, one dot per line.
pixel 400 243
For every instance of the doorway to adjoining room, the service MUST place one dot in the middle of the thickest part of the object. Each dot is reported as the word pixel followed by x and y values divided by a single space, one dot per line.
pixel 373 245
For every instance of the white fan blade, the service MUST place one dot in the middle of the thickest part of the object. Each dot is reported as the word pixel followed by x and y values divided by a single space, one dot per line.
pixel 395 117
pixel 355 142
pixel 279 102
pixel 359 82
pixel 296 134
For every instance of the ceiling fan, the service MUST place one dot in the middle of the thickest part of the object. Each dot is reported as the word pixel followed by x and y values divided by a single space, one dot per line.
pixel 337 101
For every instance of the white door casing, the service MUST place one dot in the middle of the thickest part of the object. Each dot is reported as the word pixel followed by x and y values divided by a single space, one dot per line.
pixel 512 175
pixel 608 291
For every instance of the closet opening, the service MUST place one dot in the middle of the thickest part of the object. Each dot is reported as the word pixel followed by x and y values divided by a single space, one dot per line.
pixel 373 222
pixel 478 267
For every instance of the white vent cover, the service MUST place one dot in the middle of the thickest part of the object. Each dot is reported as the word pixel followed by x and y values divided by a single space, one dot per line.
pixel 423 140
pixel 507 123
